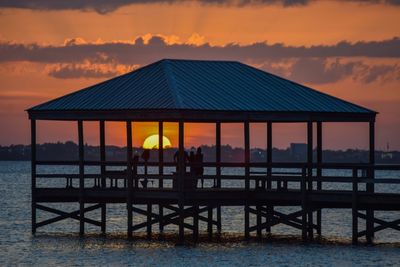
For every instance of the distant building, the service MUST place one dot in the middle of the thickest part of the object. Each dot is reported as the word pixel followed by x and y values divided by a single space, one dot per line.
pixel 298 150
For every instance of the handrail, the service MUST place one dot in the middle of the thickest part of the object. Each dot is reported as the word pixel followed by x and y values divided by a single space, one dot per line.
pixel 329 179
pixel 327 165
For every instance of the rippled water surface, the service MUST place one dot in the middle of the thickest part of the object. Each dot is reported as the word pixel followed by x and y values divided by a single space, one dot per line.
pixel 59 245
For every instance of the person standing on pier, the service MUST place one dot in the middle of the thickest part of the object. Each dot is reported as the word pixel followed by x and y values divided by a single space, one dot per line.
pixel 199 169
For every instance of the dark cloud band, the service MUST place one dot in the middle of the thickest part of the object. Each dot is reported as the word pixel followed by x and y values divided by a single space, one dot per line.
pixel 106 6
pixel 156 48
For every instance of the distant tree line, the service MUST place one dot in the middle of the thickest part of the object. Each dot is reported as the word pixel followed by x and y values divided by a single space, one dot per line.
pixel 69 151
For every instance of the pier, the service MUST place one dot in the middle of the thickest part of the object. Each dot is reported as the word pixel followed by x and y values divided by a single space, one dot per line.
pixel 175 197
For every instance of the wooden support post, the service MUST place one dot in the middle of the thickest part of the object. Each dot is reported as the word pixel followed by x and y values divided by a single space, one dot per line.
pixel 259 222
pixel 319 172
pixel 33 174
pixel 247 178
pixel 195 223
pixel 161 169
pixel 149 219
pixel 182 172
pixel 310 175
pixel 129 176
pixel 370 186
pixel 103 171
pixel 81 179
pixel 354 208
pixel 209 222
pixel 303 205
pixel 218 170
pixel 270 209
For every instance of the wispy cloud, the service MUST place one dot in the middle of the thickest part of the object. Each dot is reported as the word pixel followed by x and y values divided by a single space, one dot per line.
pixel 318 64
pixel 322 71
pixel 139 52
pixel 106 6
pixel 87 70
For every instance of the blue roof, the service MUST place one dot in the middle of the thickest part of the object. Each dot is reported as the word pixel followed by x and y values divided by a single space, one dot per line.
pixel 200 85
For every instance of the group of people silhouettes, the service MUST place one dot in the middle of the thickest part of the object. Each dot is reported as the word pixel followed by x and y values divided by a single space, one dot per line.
pixel 195 160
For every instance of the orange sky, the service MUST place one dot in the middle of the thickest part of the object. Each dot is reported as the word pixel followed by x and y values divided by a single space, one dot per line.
pixel 367 79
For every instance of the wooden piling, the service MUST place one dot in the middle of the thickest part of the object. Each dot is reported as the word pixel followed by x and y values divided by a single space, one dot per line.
pixel 149 218
pixel 33 175
pixel 319 173
pixel 129 177
pixel 195 223
pixel 209 222
pixel 354 208
pixel 81 179
pixel 370 186
pixel 247 178
pixel 161 170
pixel 103 172
pixel 270 208
pixel 218 170
pixel 182 171
pixel 303 205
pixel 310 175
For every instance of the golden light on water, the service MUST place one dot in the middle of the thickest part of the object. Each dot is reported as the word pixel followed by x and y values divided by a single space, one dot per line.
pixel 151 142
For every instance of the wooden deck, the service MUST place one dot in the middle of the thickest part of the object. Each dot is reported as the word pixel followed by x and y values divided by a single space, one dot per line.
pixel 225 197
pixel 169 199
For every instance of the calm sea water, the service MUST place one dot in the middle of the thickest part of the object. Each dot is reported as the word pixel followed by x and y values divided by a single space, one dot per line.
pixel 59 245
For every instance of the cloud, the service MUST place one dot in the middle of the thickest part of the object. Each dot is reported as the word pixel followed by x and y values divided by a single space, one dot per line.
pixel 87 70
pixel 318 71
pixel 331 70
pixel 106 6
pixel 141 52
pixel 318 64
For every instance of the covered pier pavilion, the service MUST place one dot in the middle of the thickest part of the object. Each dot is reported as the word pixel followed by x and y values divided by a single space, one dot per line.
pixel 189 91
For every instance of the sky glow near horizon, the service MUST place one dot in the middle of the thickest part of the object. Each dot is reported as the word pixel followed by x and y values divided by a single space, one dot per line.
pixel 347 49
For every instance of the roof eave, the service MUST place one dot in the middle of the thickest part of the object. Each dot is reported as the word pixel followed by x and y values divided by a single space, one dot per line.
pixel 200 115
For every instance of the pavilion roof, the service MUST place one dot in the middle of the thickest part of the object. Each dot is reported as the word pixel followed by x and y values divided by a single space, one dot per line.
pixel 200 85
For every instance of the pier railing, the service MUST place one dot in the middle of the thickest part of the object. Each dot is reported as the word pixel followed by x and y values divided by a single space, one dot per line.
pixel 256 186
pixel 281 176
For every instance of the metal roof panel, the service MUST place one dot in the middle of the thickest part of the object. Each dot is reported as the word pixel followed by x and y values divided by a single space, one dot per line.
pixel 171 84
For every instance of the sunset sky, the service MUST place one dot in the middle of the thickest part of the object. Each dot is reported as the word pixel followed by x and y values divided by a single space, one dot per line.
pixel 349 49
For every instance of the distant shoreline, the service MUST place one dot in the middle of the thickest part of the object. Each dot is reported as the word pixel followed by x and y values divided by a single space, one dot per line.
pixel 69 151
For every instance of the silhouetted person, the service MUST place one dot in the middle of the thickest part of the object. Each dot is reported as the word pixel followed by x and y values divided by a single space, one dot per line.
pixel 199 169
pixel 135 168
pixel 176 159
pixel 192 160
pixel 146 155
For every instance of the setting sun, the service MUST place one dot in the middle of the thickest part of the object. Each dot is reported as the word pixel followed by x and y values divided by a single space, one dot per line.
pixel 152 142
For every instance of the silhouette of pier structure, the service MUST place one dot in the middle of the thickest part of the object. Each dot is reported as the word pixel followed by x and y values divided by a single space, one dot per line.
pixel 219 92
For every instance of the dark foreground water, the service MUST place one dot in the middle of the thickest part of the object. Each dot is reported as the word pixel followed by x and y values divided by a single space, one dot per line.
pixel 58 244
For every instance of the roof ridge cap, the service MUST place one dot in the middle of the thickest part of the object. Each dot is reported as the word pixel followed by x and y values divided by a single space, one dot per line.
pixel 171 81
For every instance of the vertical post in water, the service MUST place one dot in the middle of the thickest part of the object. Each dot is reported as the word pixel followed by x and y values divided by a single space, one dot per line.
pixel 182 173
pixel 303 204
pixel 354 208
pixel 33 174
pixel 103 171
pixel 195 223
pixel 247 178
pixel 161 170
pixel 319 172
pixel 81 179
pixel 310 175
pixel 270 209
pixel 370 186
pixel 218 169
pixel 129 175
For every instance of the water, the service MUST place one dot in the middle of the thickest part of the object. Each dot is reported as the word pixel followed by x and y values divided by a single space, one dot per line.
pixel 59 245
